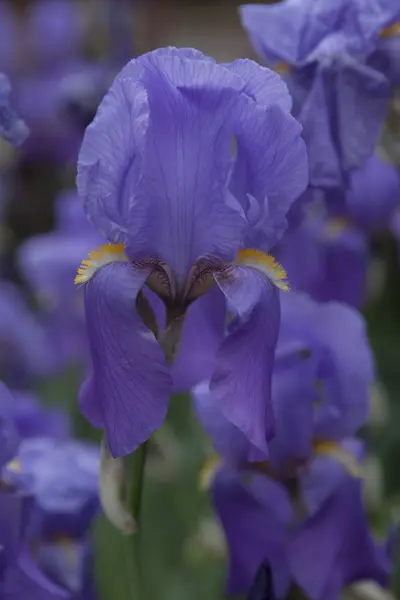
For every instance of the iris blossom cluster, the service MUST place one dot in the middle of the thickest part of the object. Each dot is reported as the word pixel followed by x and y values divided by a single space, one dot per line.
pixel 338 60
pixel 328 253
pixel 188 170
pixel 299 507
pixel 339 97
pixel 41 51
pixel 219 243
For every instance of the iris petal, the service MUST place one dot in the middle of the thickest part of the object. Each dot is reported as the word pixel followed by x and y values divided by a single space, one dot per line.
pixel 202 333
pixel 255 530
pixel 188 153
pixel 271 167
pixel 334 547
pixel 241 382
pixel 128 391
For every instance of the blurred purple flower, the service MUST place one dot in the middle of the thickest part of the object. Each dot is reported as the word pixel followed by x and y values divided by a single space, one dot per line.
pixel 81 90
pixel 12 127
pixel 39 99
pixel 325 550
pixel 327 254
pixel 324 45
pixel 48 262
pixel 327 257
pixel 302 503
pixel 19 576
pixel 24 347
pixel 32 419
pixel 27 417
pixel 159 181
pixel 372 197
pixel 48 34
pixel 9 439
pixel 324 397
pixel 55 32
pixel 69 563
pixel 63 478
pixel 41 52
pixel 320 386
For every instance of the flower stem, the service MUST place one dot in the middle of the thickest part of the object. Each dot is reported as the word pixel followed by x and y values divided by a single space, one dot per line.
pixel 135 494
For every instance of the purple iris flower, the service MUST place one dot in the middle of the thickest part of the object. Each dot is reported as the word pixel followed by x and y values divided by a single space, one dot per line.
pixel 52 485
pixel 327 254
pixel 325 549
pixel 62 477
pixel 55 32
pixel 52 137
pixel 301 505
pixel 48 262
pixel 49 33
pixel 12 127
pixel 324 46
pixel 320 386
pixel 188 170
pixel 328 258
pixel 20 578
pixel 372 197
pixel 41 52
pixel 30 418
pixel 81 91
pixel 25 352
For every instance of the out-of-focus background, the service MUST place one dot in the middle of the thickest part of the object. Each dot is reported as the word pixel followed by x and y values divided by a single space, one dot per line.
pixel 61 57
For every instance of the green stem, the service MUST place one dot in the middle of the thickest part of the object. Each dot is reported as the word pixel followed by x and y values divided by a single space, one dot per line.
pixel 135 495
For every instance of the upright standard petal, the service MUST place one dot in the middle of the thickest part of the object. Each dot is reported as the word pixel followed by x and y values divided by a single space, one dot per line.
pixel 186 161
pixel 275 31
pixel 110 150
pixel 312 101
pixel 128 391
pixel 262 85
pixel 293 397
pixel 270 171
pixel 163 190
pixel 241 382
pixel 365 92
